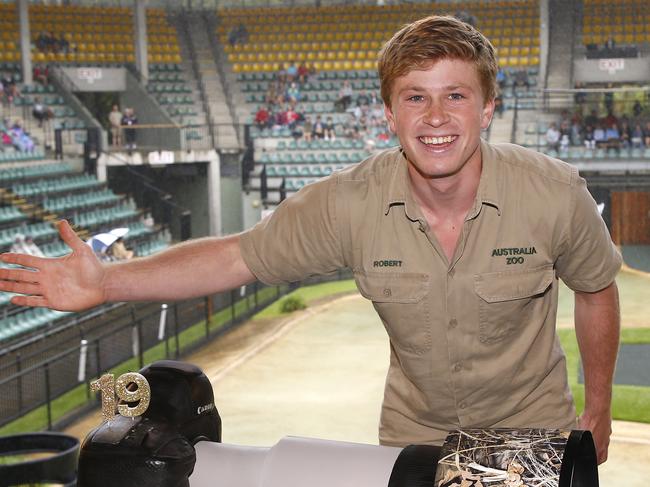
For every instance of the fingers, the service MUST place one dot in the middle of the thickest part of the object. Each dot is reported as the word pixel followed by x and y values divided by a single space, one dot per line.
pixel 20 275
pixel 69 236
pixel 20 287
pixel 33 301
pixel 24 260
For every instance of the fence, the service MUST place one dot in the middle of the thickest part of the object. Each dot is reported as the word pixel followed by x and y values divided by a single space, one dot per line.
pixel 36 374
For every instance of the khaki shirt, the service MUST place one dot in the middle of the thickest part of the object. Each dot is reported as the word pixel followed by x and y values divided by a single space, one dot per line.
pixel 473 341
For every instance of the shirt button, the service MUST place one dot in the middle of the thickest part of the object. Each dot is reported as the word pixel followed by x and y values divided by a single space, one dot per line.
pixel 457 367
pixel 462 405
pixel 453 323
pixel 387 292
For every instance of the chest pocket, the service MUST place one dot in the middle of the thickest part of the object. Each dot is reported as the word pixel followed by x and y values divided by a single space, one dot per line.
pixel 508 300
pixel 399 301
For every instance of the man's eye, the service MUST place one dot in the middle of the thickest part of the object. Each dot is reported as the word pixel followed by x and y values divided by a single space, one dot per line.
pixel 415 98
pixel 456 96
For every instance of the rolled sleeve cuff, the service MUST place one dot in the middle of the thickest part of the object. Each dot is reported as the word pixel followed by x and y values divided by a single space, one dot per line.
pixel 254 262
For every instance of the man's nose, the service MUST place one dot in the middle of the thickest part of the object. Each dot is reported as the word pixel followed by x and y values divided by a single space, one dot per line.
pixel 436 114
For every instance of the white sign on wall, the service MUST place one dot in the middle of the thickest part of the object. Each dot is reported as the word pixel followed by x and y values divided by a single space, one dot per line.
pixel 611 65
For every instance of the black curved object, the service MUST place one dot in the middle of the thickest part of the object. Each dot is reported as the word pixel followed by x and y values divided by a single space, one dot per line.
pixel 580 462
pixel 181 395
pixel 59 467
pixel 415 467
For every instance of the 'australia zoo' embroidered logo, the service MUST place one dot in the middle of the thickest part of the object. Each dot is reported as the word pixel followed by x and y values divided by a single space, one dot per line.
pixel 514 255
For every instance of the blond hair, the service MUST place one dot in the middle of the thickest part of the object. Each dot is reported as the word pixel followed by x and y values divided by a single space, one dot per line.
pixel 423 42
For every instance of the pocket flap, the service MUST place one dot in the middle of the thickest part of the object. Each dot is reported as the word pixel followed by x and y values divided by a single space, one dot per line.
pixel 508 285
pixel 392 287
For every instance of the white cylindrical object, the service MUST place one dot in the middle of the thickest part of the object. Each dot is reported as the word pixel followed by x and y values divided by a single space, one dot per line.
pixel 163 322
pixel 297 462
pixel 83 356
pixel 223 465
pixel 294 462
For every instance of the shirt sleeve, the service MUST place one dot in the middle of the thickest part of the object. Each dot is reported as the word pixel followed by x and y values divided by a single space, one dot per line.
pixel 589 260
pixel 299 239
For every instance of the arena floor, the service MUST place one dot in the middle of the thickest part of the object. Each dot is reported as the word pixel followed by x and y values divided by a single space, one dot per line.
pixel 320 373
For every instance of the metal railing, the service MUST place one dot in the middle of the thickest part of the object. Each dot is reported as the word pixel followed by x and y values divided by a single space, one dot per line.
pixel 131 337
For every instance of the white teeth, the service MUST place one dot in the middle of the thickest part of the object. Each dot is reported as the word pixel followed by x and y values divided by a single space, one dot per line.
pixel 437 140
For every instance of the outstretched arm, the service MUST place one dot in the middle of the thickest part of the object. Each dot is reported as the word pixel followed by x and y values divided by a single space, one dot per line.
pixel 597 323
pixel 79 280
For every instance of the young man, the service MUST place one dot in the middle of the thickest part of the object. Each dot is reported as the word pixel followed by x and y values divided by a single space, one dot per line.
pixel 458 243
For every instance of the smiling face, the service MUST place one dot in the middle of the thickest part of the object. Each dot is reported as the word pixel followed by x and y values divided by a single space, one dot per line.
pixel 438 114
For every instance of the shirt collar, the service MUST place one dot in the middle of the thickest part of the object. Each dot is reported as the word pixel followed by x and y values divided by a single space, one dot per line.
pixel 399 192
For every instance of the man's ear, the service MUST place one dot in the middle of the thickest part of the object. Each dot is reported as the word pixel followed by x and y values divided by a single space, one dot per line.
pixel 390 118
pixel 487 114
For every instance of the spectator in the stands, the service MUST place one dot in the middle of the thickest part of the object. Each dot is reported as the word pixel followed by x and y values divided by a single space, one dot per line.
pixel 293 93
pixel 600 138
pixel 625 134
pixel 18 246
pixel 115 122
pixel 329 129
pixel 363 100
pixel 345 96
pixel 646 134
pixel 292 71
pixel 10 88
pixel 613 136
pixel 41 112
pixel 588 137
pixel 307 128
pixel 637 136
pixel 263 117
pixel 610 119
pixel 553 136
pixel 576 132
pixel 119 251
pixel 637 109
pixel 41 74
pixel 303 73
pixel 21 139
pixel 129 119
pixel 31 248
pixel 318 130
pixel 291 117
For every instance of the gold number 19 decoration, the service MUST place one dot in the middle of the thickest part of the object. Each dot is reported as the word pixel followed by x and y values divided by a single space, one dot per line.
pixel 110 388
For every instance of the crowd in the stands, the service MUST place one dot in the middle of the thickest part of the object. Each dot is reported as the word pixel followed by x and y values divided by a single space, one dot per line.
pixel 361 112
pixel 612 131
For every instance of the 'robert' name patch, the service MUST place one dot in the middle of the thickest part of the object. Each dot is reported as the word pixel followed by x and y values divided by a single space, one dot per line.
pixel 387 263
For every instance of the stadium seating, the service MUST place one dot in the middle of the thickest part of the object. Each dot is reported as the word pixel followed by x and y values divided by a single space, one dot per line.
pixel 96 35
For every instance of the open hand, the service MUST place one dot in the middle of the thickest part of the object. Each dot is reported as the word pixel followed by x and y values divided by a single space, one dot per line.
pixel 70 283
